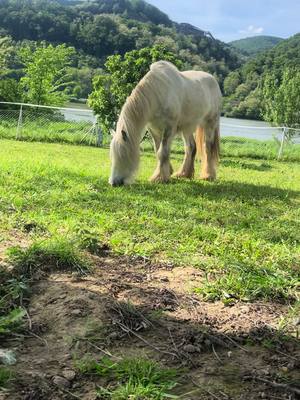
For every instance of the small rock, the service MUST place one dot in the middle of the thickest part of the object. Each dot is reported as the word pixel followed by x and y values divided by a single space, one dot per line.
pixel 245 309
pixel 296 321
pixel 66 357
pixel 113 336
pixel 76 313
pixel 7 357
pixel 61 382
pixel 69 374
pixel 164 279
pixel 189 348
pixel 291 365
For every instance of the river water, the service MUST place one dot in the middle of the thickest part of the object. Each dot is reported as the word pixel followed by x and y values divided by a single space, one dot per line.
pixel 250 129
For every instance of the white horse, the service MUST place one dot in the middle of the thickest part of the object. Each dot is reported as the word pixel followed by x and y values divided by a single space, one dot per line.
pixel 168 102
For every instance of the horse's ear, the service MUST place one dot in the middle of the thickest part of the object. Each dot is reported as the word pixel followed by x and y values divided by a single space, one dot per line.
pixel 124 135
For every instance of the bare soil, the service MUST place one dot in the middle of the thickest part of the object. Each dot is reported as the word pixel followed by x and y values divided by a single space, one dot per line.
pixel 223 352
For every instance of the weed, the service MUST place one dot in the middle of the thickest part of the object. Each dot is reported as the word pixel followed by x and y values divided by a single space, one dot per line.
pixel 5 376
pixel 12 321
pixel 290 323
pixel 46 256
pixel 132 378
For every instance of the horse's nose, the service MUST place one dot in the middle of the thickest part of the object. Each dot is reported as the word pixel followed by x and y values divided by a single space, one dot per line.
pixel 117 182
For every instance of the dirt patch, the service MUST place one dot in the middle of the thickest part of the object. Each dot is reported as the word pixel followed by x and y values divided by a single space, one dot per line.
pixel 224 352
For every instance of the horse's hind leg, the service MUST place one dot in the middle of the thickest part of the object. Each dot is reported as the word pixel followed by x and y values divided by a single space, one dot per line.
pixel 210 151
pixel 164 169
pixel 187 168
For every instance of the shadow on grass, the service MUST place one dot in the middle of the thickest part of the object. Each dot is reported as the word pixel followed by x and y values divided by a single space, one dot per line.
pixel 245 165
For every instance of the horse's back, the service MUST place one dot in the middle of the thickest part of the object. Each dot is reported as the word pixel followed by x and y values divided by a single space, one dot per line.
pixel 202 89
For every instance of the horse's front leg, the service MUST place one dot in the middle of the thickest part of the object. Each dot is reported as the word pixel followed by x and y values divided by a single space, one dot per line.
pixel 164 168
pixel 187 168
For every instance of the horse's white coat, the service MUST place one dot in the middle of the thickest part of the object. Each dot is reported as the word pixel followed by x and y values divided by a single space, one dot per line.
pixel 167 102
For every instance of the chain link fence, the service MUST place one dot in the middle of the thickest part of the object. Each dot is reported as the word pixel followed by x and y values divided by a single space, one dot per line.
pixel 239 138
pixel 30 122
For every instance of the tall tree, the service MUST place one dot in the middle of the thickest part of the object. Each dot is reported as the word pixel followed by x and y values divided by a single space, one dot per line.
pixel 122 74
pixel 45 69
pixel 6 48
pixel 282 98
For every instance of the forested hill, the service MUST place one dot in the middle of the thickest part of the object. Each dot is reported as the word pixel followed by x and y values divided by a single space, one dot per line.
pixel 102 27
pixel 254 45
pixel 242 86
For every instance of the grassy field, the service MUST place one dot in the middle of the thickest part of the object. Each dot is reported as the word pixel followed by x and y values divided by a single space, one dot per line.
pixel 240 235
pixel 243 230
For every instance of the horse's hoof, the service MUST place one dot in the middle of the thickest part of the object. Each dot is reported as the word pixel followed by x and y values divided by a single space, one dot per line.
pixel 208 178
pixel 159 179
pixel 180 175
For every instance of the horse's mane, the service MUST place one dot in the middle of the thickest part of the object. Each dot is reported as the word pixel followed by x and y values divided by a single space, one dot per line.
pixel 138 103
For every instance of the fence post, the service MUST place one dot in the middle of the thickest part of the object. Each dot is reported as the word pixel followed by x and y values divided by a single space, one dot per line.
pixel 20 122
pixel 282 143
pixel 99 135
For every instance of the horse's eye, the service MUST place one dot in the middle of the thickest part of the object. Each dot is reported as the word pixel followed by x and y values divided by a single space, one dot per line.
pixel 124 135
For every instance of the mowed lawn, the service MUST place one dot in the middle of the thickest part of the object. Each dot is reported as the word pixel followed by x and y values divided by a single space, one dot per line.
pixel 242 230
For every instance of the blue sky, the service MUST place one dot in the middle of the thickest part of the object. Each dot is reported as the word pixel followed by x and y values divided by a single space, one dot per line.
pixel 235 19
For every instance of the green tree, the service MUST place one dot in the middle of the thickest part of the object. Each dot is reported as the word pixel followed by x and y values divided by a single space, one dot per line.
pixel 46 80
pixel 282 98
pixel 231 82
pixel 121 75
pixel 6 48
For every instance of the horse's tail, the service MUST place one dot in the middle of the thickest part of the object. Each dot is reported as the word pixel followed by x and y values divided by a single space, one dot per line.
pixel 200 143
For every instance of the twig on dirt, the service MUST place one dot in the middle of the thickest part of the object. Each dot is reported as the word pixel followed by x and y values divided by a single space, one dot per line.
pixel 174 344
pixel 278 385
pixel 69 393
pixel 128 330
pixel 38 337
pixel 205 390
pixel 107 353
pixel 215 353
pixel 286 355
pixel 29 319
pixel 224 394
pixel 234 342
pixel 178 352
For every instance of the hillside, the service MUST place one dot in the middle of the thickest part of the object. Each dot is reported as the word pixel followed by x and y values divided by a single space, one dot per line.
pixel 104 27
pixel 242 85
pixel 254 45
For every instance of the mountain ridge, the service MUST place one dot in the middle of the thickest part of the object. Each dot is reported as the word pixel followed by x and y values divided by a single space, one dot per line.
pixel 253 45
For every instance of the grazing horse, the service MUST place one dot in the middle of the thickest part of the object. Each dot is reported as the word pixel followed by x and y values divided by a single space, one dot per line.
pixel 168 102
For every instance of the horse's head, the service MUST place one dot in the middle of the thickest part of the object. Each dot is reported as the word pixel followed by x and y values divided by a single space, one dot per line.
pixel 124 155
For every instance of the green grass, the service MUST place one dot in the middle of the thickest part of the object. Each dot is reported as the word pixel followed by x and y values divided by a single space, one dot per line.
pixel 45 130
pixel 46 256
pixel 243 230
pixel 135 379
pixel 5 376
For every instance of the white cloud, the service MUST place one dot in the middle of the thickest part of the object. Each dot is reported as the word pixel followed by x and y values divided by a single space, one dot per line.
pixel 252 30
